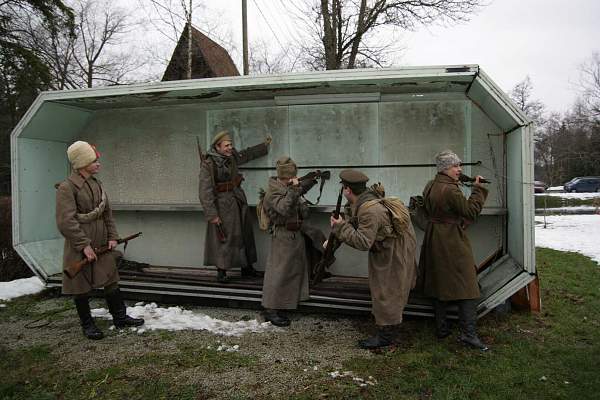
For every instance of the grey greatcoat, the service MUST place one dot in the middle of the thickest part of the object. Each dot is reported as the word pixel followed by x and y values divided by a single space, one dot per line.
pixel 287 274
pixel 450 272
pixel 231 206
pixel 77 196
pixel 392 257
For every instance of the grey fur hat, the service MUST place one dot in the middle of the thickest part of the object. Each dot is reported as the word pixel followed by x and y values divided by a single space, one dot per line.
pixel 446 159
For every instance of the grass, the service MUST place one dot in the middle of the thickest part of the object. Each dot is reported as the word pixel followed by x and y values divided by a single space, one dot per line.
pixel 553 355
pixel 557 202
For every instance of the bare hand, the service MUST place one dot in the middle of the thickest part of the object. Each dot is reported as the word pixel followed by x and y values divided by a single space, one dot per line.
pixel 334 221
pixel 215 220
pixel 268 140
pixel 112 244
pixel 89 253
pixel 325 244
pixel 294 182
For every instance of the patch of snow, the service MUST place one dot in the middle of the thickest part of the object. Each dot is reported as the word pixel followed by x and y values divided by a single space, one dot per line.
pixel 578 233
pixel 20 287
pixel 178 319
pixel 555 188
pixel 358 380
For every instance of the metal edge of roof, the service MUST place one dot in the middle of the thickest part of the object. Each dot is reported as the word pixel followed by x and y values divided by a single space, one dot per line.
pixel 504 293
pixel 31 263
pixel 262 80
pixel 528 200
pixel 502 98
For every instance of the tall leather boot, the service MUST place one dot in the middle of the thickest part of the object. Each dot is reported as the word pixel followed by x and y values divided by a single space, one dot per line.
pixel 276 317
pixel 90 330
pixel 250 272
pixel 117 309
pixel 467 313
pixel 386 335
pixel 222 276
pixel 442 327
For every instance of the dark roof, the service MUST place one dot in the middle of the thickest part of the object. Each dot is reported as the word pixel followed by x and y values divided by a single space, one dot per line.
pixel 209 60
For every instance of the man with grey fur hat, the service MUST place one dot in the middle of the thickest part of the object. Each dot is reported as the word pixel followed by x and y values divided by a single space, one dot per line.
pixel 450 272
pixel 287 273
pixel 84 218
pixel 229 241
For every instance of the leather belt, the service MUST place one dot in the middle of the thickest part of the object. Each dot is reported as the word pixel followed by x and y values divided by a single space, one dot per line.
pixel 229 185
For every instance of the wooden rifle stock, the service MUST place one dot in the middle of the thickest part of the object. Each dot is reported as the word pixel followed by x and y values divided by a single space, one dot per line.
pixel 466 178
pixel 329 254
pixel 73 269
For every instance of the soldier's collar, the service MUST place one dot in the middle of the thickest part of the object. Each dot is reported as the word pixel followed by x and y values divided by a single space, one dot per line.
pixel 443 178
pixel 77 179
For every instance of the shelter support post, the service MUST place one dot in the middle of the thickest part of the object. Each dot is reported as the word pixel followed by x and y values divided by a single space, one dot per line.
pixel 529 297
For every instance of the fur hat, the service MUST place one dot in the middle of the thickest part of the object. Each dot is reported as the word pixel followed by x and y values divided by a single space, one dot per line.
pixel 286 167
pixel 81 154
pixel 220 137
pixel 446 159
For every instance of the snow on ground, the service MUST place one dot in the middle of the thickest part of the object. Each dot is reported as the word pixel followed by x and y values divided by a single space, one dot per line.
pixel 580 233
pixel 555 188
pixel 582 196
pixel 177 319
pixel 20 287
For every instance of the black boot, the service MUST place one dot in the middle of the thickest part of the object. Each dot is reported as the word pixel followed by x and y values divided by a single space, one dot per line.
pixel 222 276
pixel 250 272
pixel 386 336
pixel 117 309
pixel 90 330
pixel 467 314
pixel 442 327
pixel 276 317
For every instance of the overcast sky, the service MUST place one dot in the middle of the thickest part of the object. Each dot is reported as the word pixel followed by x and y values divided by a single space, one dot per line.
pixel 509 39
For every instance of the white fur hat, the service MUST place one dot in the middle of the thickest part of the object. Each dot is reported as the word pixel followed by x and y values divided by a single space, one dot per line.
pixel 446 159
pixel 81 154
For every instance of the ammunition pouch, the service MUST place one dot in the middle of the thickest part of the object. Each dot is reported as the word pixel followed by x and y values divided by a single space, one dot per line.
pixel 230 185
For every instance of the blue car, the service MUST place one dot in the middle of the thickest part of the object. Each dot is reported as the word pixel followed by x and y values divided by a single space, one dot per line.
pixel 583 184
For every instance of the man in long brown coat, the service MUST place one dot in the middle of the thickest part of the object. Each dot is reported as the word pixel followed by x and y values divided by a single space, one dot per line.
pixel 392 254
pixel 286 276
pixel 84 218
pixel 450 272
pixel 229 239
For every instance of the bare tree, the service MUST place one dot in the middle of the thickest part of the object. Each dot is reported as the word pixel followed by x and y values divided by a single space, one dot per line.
pixel 590 84
pixel 521 94
pixel 343 31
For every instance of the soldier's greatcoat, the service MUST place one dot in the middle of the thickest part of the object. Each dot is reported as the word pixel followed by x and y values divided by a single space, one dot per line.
pixel 392 257
pixel 287 273
pixel 74 197
pixel 231 206
pixel 450 272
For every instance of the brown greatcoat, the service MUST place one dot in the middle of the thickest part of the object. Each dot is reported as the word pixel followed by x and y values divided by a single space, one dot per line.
pixel 74 196
pixel 447 262
pixel 286 276
pixel 238 250
pixel 392 257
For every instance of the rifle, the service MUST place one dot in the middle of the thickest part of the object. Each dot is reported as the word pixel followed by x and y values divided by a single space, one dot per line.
pixel 328 255
pixel 73 269
pixel 313 175
pixel 466 179
pixel 203 162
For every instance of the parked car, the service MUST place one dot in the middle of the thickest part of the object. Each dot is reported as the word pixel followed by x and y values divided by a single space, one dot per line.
pixel 583 184
pixel 539 187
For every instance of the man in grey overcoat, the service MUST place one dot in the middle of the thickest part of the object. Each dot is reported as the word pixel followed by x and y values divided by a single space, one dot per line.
pixel 229 241
pixel 392 253
pixel 450 272
pixel 84 218
pixel 287 273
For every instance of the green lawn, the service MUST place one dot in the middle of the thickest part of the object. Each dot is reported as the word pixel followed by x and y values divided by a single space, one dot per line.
pixel 554 355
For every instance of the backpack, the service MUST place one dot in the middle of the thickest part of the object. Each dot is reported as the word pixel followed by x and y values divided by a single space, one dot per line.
pixel 418 212
pixel 263 218
pixel 400 216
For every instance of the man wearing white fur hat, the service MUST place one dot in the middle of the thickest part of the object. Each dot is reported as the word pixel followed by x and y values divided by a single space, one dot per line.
pixel 84 218
pixel 450 272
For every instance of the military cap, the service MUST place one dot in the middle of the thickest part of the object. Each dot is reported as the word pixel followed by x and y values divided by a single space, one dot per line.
pixel 353 177
pixel 221 136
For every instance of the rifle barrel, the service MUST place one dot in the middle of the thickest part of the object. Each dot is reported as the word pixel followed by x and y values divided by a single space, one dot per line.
pixel 321 167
